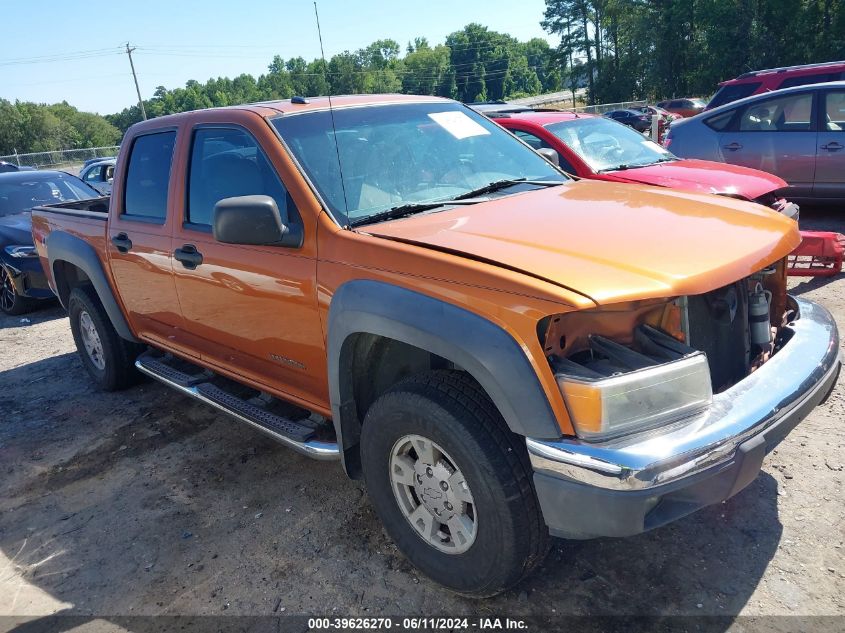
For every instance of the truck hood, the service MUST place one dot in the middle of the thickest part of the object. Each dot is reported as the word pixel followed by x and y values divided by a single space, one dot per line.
pixel 609 242
pixel 704 176
pixel 16 229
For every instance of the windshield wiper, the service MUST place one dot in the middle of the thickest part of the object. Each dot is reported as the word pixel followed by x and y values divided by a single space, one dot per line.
pixel 410 208
pixel 621 167
pixel 625 166
pixel 404 210
pixel 504 184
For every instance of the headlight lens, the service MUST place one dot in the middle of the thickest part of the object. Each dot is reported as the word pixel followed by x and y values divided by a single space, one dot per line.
pixel 21 251
pixel 639 399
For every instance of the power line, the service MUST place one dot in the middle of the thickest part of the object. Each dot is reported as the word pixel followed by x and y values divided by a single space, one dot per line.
pixel 72 56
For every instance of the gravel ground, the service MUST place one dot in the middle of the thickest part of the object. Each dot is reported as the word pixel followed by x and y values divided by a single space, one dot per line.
pixel 144 502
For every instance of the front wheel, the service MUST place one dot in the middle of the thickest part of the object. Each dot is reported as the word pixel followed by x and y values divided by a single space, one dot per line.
pixel 452 485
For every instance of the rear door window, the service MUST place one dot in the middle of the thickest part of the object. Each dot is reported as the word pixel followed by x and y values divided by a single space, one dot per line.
pixel 788 113
pixel 148 177
pixel 834 111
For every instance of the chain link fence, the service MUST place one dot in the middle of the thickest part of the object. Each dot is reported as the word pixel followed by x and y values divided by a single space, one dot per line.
pixel 564 101
pixel 66 159
pixel 601 108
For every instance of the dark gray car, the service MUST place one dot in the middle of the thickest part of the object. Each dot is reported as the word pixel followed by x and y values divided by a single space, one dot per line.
pixel 795 133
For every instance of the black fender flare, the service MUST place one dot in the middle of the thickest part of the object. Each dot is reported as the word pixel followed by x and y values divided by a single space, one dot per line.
pixel 486 351
pixel 64 247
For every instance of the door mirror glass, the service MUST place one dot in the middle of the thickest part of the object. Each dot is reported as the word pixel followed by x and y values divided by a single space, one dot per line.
pixel 253 220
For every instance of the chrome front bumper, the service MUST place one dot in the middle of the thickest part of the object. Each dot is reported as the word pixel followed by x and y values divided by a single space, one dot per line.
pixel 779 394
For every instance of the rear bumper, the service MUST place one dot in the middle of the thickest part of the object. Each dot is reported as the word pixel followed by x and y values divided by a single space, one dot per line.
pixel 631 485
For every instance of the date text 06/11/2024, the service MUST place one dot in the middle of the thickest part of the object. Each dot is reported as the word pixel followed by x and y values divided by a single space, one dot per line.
pixel 422 624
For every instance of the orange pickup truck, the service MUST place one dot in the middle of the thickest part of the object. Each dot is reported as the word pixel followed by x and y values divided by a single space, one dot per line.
pixel 502 353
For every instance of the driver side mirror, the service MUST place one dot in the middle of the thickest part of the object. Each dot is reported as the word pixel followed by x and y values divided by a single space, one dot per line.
pixel 550 155
pixel 254 220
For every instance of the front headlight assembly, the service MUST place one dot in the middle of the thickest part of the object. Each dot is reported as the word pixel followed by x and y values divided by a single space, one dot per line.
pixel 21 251
pixel 612 390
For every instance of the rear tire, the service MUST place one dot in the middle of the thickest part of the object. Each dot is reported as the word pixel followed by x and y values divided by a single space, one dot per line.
pixel 413 437
pixel 109 359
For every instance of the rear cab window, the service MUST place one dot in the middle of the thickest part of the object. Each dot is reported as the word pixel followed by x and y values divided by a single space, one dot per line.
pixel 148 177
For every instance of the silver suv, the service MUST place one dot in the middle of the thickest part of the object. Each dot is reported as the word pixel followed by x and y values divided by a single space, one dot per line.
pixel 795 133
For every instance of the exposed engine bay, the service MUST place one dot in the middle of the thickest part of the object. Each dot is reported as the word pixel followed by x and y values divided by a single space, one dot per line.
pixel 736 326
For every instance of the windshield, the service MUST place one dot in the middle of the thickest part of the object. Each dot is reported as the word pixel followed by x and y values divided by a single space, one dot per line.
pixel 399 154
pixel 24 190
pixel 606 145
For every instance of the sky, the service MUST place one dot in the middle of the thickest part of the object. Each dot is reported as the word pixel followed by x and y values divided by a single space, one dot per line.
pixel 73 51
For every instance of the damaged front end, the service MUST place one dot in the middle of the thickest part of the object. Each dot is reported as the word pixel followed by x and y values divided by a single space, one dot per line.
pixel 647 364
pixel 675 404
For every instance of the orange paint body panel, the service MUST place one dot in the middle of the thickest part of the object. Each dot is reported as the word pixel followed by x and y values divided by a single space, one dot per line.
pixel 260 313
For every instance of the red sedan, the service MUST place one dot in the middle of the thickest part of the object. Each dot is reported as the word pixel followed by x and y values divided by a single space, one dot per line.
pixel 601 149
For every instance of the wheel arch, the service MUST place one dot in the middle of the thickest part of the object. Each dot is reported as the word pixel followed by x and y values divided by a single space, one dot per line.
pixel 74 261
pixel 363 310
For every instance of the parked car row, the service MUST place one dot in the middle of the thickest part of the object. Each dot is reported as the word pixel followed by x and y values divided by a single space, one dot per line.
pixel 792 126
pixel 597 148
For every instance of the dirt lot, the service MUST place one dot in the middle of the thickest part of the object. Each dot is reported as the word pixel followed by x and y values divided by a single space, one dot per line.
pixel 144 502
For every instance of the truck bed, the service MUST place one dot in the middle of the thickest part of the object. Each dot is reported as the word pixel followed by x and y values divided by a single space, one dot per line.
pixel 96 208
pixel 81 219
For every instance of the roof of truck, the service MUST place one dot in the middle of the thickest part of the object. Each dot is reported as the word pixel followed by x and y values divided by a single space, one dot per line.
pixel 306 104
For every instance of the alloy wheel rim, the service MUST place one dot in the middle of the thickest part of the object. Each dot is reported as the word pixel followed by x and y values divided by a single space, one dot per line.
pixel 7 294
pixel 91 340
pixel 433 494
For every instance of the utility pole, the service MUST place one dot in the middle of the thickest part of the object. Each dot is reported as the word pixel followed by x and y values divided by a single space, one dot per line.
pixel 135 77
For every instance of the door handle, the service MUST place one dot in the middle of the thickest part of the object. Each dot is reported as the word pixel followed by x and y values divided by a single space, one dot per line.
pixel 189 256
pixel 733 146
pixel 833 146
pixel 122 242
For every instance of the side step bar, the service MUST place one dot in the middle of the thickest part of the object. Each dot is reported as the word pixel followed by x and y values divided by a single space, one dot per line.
pixel 289 432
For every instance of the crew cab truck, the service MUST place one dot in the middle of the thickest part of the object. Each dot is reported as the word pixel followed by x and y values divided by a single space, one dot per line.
pixel 502 353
